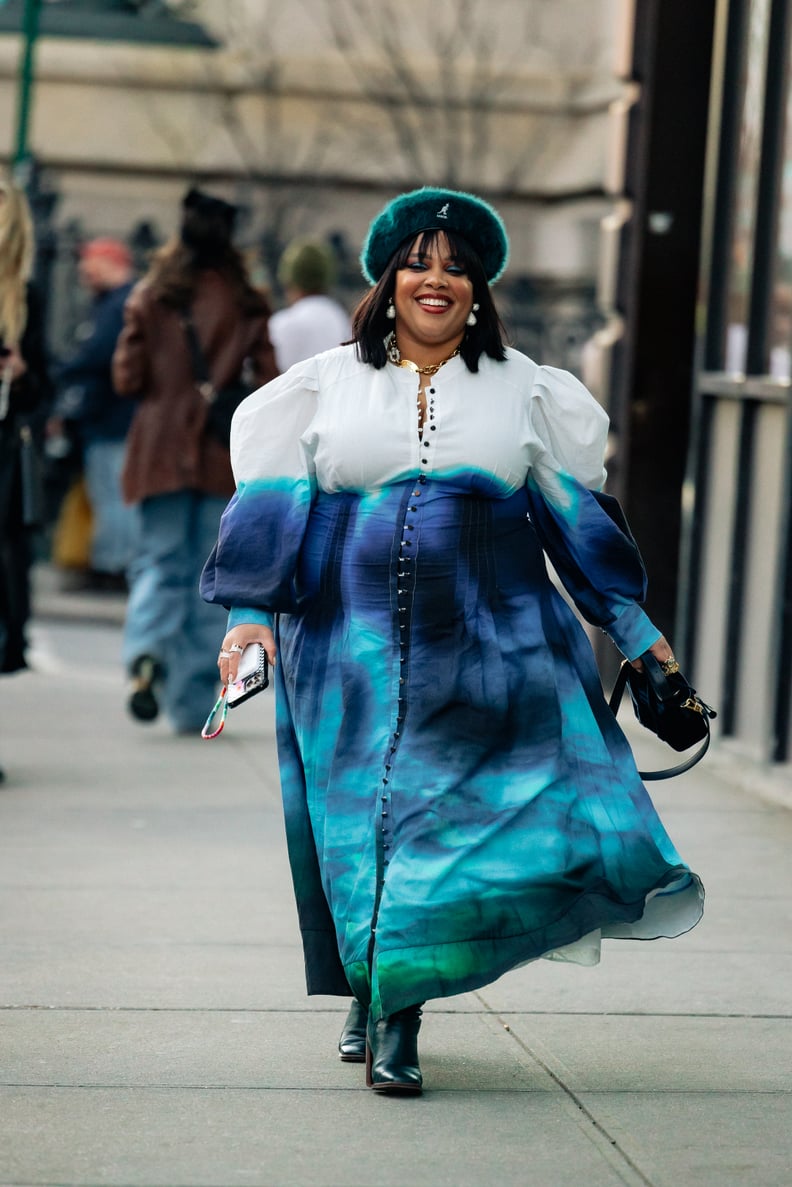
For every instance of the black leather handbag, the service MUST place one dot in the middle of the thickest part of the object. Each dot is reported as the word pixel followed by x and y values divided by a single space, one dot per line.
pixel 665 703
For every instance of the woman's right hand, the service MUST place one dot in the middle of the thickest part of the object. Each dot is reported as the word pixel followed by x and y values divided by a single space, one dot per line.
pixel 238 638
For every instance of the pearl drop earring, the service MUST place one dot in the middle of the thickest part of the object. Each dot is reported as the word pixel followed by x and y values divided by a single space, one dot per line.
pixel 390 312
pixel 471 317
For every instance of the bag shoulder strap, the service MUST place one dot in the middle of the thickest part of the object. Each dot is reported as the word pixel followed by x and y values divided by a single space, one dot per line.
pixel 666 772
pixel 663 689
pixel 197 356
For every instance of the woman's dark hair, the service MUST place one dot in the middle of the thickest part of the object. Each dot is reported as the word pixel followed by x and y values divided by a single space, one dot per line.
pixel 203 243
pixel 371 325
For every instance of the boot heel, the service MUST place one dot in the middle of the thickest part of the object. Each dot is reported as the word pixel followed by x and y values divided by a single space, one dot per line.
pixel 369 1061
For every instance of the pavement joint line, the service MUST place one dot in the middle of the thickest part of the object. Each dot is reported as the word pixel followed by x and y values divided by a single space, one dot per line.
pixel 103 1183
pixel 488 1010
pixel 602 1132
pixel 110 1086
pixel 310 1089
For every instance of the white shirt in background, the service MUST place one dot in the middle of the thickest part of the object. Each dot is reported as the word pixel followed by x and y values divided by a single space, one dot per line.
pixel 308 327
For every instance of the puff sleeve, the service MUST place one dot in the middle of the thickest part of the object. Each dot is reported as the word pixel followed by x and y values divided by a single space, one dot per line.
pixel 252 567
pixel 582 531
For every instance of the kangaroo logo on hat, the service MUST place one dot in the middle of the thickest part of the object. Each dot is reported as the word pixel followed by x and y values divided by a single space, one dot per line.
pixel 443 211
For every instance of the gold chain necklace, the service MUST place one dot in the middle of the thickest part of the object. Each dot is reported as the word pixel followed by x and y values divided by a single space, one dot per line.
pixel 394 356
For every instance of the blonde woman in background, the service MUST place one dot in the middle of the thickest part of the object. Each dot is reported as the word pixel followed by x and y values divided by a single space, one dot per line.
pixel 25 392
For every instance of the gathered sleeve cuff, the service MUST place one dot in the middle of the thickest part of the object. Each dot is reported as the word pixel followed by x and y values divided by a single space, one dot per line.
pixel 584 532
pixel 243 615
pixel 253 564
pixel 632 631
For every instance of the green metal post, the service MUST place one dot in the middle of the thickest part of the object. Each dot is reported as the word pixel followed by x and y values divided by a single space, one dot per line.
pixel 30 26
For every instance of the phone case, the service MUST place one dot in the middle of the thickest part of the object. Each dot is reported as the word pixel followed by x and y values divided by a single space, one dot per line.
pixel 252 675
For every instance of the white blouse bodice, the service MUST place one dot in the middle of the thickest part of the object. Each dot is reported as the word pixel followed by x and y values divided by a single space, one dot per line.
pixel 351 427
pixel 333 424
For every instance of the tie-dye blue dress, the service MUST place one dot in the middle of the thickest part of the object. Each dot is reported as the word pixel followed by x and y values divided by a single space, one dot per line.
pixel 458 798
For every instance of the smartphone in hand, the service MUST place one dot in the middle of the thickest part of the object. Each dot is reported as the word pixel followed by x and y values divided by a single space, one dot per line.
pixel 252 675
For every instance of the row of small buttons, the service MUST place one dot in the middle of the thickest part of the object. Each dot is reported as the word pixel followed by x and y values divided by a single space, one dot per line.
pixel 430 416
pixel 406 581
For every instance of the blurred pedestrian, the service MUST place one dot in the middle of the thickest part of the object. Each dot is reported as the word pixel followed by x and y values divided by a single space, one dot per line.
pixel 313 320
pixel 25 393
pixel 87 404
pixel 459 799
pixel 195 329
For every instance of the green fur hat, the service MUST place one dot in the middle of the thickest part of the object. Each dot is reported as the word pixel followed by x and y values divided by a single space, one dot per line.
pixel 307 265
pixel 436 209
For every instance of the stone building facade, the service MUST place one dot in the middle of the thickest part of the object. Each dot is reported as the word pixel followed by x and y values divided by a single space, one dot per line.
pixel 312 115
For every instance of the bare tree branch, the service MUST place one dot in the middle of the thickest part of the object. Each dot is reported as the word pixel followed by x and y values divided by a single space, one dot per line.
pixel 440 97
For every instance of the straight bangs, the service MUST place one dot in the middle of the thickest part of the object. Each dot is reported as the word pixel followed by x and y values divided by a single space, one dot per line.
pixel 462 253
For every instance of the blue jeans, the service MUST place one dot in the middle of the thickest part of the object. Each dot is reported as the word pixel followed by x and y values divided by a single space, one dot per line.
pixel 115 525
pixel 166 615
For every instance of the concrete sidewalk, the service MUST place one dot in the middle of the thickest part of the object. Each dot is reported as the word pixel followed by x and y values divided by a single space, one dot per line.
pixel 155 1029
pixel 52 604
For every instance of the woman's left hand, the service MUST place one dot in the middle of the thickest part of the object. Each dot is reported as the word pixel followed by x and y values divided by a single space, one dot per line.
pixel 661 650
pixel 15 361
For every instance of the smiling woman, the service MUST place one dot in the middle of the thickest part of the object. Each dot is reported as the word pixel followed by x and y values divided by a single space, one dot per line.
pixel 432 304
pixel 459 800
pixel 433 299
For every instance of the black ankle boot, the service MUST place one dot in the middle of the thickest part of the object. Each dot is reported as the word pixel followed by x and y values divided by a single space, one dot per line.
pixel 352 1044
pixel 146 673
pixel 392 1052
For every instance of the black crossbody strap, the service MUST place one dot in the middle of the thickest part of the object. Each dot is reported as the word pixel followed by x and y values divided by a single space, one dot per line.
pixel 200 368
pixel 667 772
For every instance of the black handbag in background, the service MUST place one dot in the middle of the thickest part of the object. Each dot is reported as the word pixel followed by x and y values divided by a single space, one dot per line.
pixel 665 703
pixel 222 402
pixel 31 470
